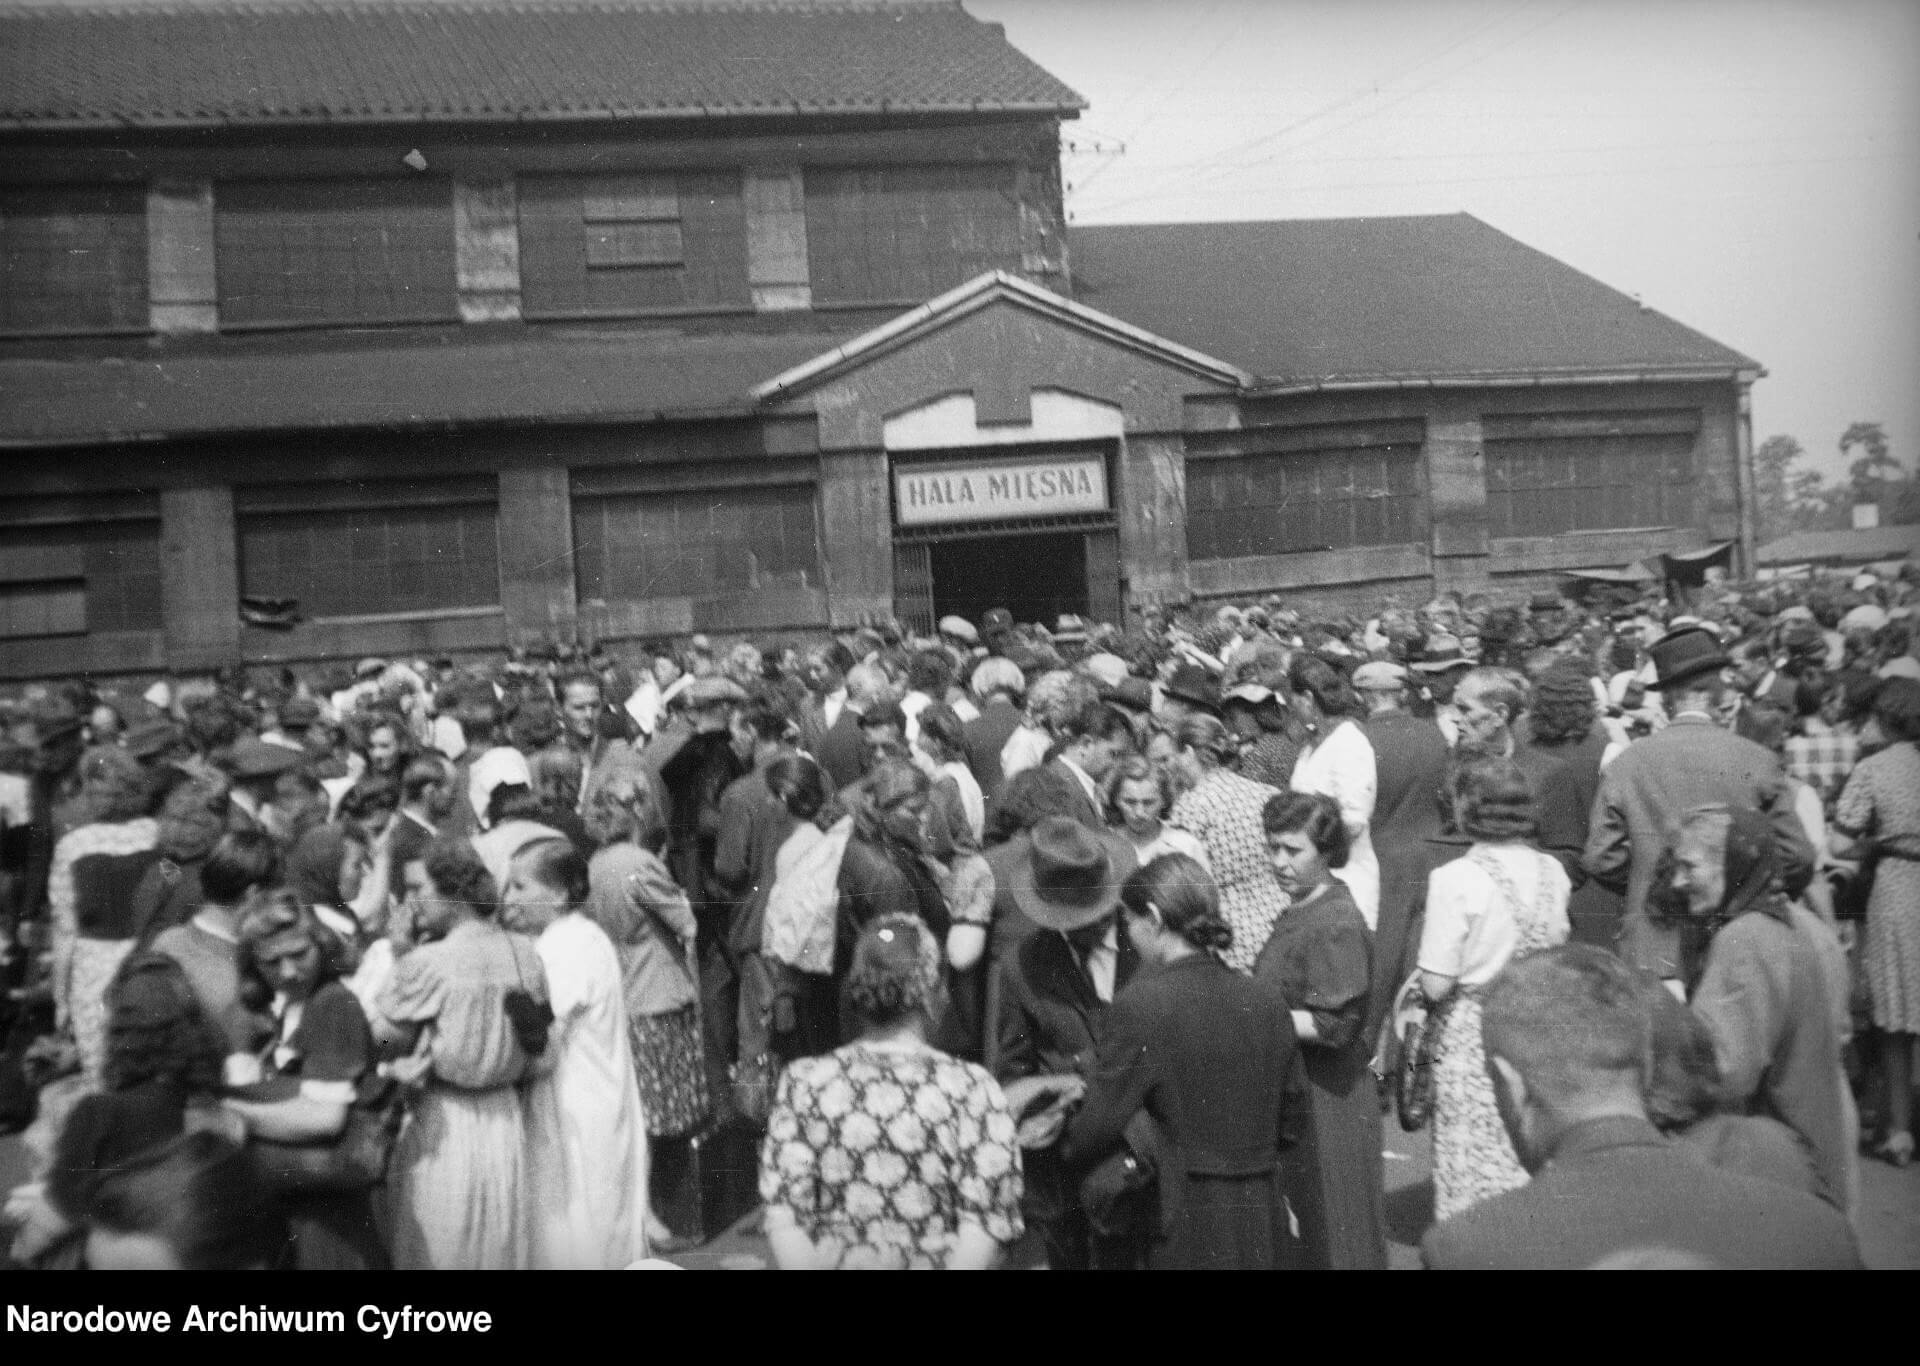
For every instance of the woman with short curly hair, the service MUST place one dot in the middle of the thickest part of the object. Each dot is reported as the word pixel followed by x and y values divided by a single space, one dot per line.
pixel 887 1152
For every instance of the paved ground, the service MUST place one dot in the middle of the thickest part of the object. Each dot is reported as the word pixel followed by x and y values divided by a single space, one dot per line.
pixel 1889 1214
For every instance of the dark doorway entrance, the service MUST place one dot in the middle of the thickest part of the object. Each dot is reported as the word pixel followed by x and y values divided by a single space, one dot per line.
pixel 1036 577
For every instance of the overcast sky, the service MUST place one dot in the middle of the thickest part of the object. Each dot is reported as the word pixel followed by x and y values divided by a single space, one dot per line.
pixel 1749 167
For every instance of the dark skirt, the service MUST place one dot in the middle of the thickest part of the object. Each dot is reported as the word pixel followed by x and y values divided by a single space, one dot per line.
pixel 670 1062
pixel 1228 1223
pixel 1341 1195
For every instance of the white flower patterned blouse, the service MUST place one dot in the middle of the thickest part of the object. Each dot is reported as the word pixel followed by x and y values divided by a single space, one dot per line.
pixel 887 1154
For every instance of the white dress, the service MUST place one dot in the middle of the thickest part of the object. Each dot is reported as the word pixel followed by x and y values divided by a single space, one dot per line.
pixel 1342 767
pixel 586 1135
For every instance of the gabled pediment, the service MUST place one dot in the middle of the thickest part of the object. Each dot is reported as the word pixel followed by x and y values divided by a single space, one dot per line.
pixel 999 339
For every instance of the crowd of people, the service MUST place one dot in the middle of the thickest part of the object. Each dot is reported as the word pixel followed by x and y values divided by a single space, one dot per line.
pixel 1063 943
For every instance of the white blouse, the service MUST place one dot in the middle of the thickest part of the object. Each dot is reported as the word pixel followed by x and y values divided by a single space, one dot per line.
pixel 1341 766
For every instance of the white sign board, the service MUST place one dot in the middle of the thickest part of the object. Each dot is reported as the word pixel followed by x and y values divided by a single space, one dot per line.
pixel 935 495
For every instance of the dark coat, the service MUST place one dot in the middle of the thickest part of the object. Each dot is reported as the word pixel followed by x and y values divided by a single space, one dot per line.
pixel 1617 1188
pixel 1643 795
pixel 1084 808
pixel 1211 1056
pixel 1410 763
pixel 840 749
pixel 1049 1021
pixel 1594 910
pixel 986 735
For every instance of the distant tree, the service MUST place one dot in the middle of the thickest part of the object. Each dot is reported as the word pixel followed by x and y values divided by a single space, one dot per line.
pixel 1871 475
pixel 1773 477
pixel 1791 498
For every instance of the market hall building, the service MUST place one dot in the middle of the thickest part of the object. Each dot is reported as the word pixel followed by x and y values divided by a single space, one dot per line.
pixel 384 328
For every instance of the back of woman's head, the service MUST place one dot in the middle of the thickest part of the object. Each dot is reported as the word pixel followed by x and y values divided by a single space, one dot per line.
pixel 1683 1073
pixel 372 796
pixel 1896 706
pixel 115 786
pixel 200 1198
pixel 942 725
pixel 558 865
pixel 1029 797
pixel 1208 737
pixel 1185 896
pixel 455 869
pixel 156 1030
pixel 242 861
pixel 1493 800
pixel 895 974
pixel 1313 814
pixel 1326 685
pixel 623 809
pixel 799 784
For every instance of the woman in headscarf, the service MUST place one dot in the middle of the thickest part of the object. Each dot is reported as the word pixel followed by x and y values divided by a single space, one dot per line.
pixel 1762 990
pixel 96 867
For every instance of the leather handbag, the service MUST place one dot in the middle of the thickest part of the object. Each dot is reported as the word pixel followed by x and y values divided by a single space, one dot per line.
pixel 1413 1078
pixel 1118 1194
pixel 356 1160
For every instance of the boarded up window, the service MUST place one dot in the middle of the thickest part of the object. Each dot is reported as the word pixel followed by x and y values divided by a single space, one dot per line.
pixel 1551 485
pixel 69 577
pixel 611 245
pixel 374 548
pixel 647 545
pixel 73 259
pixel 330 251
pixel 1299 501
pixel 906 233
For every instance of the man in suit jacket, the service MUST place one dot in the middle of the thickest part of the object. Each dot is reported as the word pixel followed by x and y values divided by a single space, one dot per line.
pixel 1000 686
pixel 1054 993
pixel 1566 1034
pixel 1092 738
pixel 1410 759
pixel 1694 762
pixel 842 691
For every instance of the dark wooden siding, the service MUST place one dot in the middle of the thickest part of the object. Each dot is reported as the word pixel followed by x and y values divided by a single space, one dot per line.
pixel 907 233
pixel 333 251
pixel 367 549
pixel 76 565
pixel 73 259
pixel 1297 501
pixel 695 544
pixel 1553 474
pixel 632 244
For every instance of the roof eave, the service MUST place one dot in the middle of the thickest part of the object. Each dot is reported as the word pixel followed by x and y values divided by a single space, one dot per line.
pixel 1505 379
pixel 410 118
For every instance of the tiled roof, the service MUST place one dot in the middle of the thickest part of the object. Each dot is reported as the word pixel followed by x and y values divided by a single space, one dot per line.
pixel 315 381
pixel 1357 300
pixel 380 60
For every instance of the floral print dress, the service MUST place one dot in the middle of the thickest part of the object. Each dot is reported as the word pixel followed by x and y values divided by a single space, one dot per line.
pixel 1224 810
pixel 886 1154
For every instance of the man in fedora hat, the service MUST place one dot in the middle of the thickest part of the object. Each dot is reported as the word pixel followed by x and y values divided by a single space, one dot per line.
pixel 1696 761
pixel 1053 998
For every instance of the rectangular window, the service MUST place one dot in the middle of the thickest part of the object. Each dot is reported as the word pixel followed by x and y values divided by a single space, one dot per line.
pixel 74 259
pixel 632 244
pixel 72 578
pixel 372 549
pixel 900 234
pixel 647 545
pixel 1549 486
pixel 335 251
pixel 1285 504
